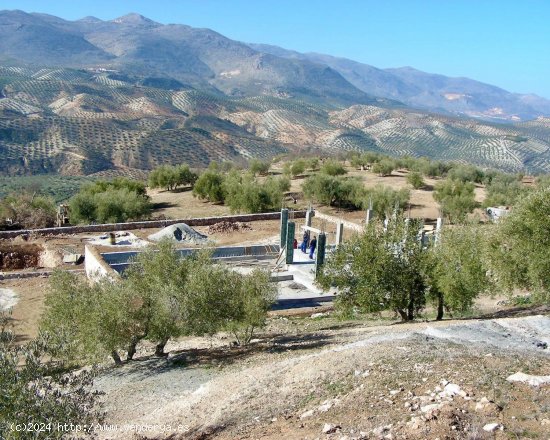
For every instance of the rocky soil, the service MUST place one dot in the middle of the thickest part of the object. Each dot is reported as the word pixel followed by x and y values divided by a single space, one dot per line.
pixel 319 378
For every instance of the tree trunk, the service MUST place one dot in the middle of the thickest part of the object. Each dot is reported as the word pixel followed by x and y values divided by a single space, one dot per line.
pixel 403 314
pixel 159 349
pixel 410 308
pixel 439 306
pixel 132 349
pixel 116 358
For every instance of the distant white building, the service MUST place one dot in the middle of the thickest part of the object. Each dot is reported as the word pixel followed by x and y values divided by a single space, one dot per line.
pixel 495 213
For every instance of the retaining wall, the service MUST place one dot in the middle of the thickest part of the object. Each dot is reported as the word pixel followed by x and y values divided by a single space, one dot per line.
pixel 109 227
pixel 119 261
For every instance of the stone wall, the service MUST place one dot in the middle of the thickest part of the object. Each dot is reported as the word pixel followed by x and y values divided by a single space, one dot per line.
pixel 109 227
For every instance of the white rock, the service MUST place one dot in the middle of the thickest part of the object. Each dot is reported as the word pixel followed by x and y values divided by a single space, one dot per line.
pixel 482 403
pixel 452 389
pixel 326 405
pixel 545 422
pixel 366 373
pixel 427 408
pixel 329 428
pixel 491 427
pixel 307 414
pixel 394 392
pixel 319 315
pixel 534 381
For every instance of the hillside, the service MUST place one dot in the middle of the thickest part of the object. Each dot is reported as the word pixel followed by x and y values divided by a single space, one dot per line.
pixel 93 97
pixel 76 121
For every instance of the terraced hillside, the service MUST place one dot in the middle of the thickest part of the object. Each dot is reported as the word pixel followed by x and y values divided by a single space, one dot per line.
pixel 98 122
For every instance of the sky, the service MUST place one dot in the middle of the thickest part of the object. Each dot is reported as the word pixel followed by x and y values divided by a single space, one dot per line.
pixel 500 42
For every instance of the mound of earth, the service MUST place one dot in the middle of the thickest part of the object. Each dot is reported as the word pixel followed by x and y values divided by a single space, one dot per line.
pixel 225 227
pixel 180 232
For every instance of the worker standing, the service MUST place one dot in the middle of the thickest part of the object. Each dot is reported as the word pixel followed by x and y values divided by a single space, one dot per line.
pixel 312 247
pixel 305 242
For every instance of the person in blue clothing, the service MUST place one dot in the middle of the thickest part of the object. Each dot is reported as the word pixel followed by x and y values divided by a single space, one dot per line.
pixel 312 247
pixel 305 242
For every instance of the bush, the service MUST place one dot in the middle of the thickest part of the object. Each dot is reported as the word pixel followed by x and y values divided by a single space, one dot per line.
pixel 312 163
pixel 257 166
pixel 170 177
pixel 504 189
pixel 456 198
pixel 459 269
pixel 466 173
pixel 333 168
pixel 384 167
pixel 520 247
pixel 161 296
pixel 209 186
pixel 120 200
pixel 414 178
pixel 297 167
pixel 334 191
pixel 28 210
pixel 379 270
pixel 243 193
pixel 34 391
pixel 385 200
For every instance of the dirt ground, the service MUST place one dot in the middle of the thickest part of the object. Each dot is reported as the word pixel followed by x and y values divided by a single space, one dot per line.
pixel 322 378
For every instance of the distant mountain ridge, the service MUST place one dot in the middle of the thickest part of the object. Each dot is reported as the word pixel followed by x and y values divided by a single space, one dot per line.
pixel 460 96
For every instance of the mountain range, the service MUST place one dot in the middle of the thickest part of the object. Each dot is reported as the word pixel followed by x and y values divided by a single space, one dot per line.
pixel 122 96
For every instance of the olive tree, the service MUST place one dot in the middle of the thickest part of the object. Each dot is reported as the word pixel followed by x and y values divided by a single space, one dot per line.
pixel 381 269
pixel 457 269
pixel 33 390
pixel 457 198
pixel 519 248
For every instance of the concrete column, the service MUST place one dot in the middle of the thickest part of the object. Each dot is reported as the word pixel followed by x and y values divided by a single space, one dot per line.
pixel 339 233
pixel 370 216
pixel 291 229
pixel 438 226
pixel 320 256
pixel 309 216
pixel 284 222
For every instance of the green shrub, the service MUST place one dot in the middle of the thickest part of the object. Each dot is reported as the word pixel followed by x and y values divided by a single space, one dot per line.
pixel 28 210
pixel 379 270
pixel 334 190
pixel 161 296
pixel 414 178
pixel 385 200
pixel 257 166
pixel 504 189
pixel 170 177
pixel 384 167
pixel 333 168
pixel 209 186
pixel 115 201
pixel 456 198
pixel 243 193
pixel 520 246
pixel 466 173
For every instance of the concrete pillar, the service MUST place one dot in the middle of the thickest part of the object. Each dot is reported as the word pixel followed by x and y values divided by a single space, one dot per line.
pixel 284 222
pixel 339 233
pixel 309 216
pixel 320 256
pixel 370 216
pixel 291 229
pixel 438 226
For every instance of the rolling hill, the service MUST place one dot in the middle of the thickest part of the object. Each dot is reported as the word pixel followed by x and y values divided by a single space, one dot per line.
pixel 120 97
